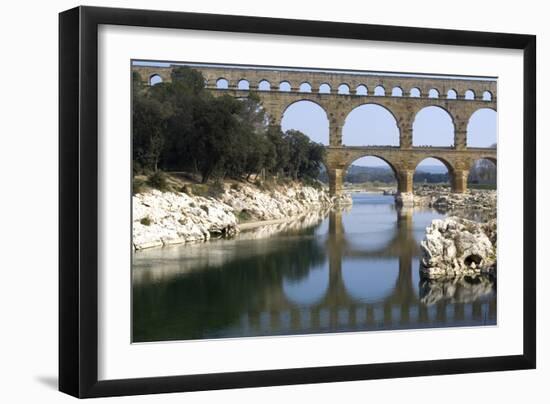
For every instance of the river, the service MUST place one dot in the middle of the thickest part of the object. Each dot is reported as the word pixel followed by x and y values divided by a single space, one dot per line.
pixel 346 270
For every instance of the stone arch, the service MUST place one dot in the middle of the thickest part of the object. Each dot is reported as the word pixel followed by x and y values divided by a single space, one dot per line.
pixel 361 89
pixel 447 163
pixel 325 88
pixel 424 132
pixel 155 79
pixel 264 85
pixel 415 92
pixel 487 96
pixel 452 94
pixel 243 84
pixel 222 83
pixel 377 156
pixel 305 87
pixel 397 92
pixel 343 89
pixel 481 130
pixel 315 126
pixel 469 95
pixel 433 93
pixel 285 86
pixel 376 115
pixel 379 90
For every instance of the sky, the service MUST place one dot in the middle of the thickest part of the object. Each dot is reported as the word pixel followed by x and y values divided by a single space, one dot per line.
pixel 371 124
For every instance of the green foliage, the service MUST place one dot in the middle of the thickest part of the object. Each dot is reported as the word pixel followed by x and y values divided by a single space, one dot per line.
pixel 178 126
pixel 158 181
pixel 146 221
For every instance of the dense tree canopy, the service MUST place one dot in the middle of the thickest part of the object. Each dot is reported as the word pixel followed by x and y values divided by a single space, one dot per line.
pixel 179 126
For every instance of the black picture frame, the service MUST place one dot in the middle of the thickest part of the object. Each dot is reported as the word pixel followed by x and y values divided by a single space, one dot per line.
pixel 78 201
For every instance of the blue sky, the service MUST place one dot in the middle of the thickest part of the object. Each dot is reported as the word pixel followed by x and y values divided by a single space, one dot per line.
pixel 371 124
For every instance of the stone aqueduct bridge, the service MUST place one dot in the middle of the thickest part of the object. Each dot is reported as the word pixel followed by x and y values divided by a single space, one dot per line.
pixel 403 158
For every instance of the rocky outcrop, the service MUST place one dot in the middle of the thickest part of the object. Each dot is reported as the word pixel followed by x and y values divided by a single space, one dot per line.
pixel 458 247
pixel 443 199
pixel 164 218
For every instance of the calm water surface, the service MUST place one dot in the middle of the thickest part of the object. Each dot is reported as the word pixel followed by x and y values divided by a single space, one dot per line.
pixel 345 270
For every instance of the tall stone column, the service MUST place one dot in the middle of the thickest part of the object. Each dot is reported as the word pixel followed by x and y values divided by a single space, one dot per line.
pixel 335 181
pixel 405 134
pixel 459 183
pixel 461 135
pixel 405 181
pixel 335 134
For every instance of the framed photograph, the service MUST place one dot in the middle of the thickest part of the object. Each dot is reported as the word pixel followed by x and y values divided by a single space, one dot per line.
pixel 251 201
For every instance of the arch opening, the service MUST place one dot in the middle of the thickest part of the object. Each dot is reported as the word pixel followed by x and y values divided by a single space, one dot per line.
pixel 487 96
pixel 469 95
pixel 324 88
pixel 264 85
pixel 284 86
pixel 451 94
pixel 155 79
pixel 482 129
pixel 309 118
pixel 370 125
pixel 343 89
pixel 379 91
pixel 305 88
pixel 243 85
pixel 415 92
pixel 433 171
pixel 433 93
pixel 483 174
pixel 361 90
pixel 433 126
pixel 222 84
pixel 397 92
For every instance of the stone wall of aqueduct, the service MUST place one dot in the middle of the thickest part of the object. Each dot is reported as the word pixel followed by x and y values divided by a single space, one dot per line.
pixel 402 96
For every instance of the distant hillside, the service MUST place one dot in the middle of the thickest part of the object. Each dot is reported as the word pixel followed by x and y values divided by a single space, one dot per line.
pixel 384 174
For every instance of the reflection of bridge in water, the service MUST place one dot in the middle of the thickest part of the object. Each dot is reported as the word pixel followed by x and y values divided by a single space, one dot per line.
pixel 339 309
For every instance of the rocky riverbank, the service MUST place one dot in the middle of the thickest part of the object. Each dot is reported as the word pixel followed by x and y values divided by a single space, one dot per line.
pixel 164 218
pixel 442 198
pixel 455 247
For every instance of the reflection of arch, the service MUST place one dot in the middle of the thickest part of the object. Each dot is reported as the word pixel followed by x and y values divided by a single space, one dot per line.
pixel 482 128
pixel 361 90
pixel 371 115
pixel 222 83
pixel 155 79
pixel 264 85
pixel 309 290
pixel 284 86
pixel 433 126
pixel 310 119
pixel 243 85
pixel 367 280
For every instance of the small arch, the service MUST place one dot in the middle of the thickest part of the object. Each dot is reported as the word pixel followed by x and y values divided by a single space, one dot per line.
pixel 433 126
pixel 222 84
pixel 284 86
pixel 397 92
pixel 483 173
pixel 243 85
pixel 343 89
pixel 433 93
pixel 451 94
pixel 309 118
pixel 305 87
pixel 487 96
pixel 264 85
pixel 155 79
pixel 324 88
pixel 482 128
pixel 415 92
pixel 361 90
pixel 469 95
pixel 379 91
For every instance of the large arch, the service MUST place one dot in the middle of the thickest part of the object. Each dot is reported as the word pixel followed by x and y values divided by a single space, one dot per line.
pixel 433 170
pixel 371 160
pixel 309 118
pixel 433 126
pixel 370 125
pixel 482 128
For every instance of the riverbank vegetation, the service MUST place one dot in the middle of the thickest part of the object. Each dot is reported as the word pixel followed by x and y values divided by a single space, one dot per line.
pixel 179 126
